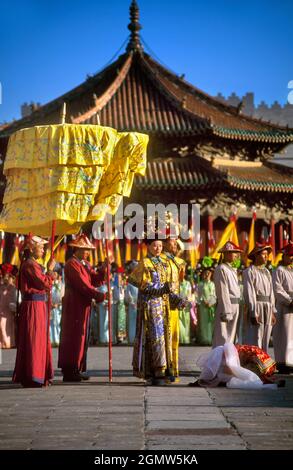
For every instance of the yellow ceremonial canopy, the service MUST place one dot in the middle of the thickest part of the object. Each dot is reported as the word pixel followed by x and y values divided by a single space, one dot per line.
pixel 65 172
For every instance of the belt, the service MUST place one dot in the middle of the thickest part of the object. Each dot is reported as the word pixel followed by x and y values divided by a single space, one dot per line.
pixel 263 298
pixel 41 297
pixel 235 300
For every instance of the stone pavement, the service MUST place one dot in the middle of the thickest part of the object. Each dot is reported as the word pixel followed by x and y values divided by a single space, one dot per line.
pixel 126 414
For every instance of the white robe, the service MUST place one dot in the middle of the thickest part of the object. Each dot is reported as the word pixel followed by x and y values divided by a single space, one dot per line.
pixel 283 329
pixel 257 281
pixel 222 364
pixel 227 312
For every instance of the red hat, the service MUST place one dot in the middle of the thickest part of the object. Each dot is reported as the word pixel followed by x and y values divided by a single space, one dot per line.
pixel 288 249
pixel 120 270
pixel 230 247
pixel 259 247
pixel 8 268
pixel 31 241
pixel 82 241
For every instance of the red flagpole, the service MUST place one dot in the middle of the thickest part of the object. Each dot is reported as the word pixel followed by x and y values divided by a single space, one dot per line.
pixel 109 302
pixel 53 233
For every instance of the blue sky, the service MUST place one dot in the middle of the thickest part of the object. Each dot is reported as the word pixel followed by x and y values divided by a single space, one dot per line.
pixel 48 47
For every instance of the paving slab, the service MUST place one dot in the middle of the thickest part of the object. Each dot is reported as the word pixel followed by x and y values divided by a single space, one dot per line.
pixel 126 414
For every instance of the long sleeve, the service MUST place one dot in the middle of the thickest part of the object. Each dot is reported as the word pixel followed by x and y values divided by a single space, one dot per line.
pixel 77 278
pixel 279 282
pixel 97 278
pixel 273 300
pixel 33 278
pixel 131 294
pixel 148 281
pixel 249 293
pixel 222 290
pixel 176 301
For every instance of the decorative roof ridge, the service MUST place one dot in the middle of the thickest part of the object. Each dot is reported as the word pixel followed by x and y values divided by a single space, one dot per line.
pixel 180 106
pixel 134 27
pixel 213 101
pixel 218 162
pixel 102 100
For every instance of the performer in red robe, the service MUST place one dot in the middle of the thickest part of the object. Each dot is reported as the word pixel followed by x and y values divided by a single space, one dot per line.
pixel 81 281
pixel 33 366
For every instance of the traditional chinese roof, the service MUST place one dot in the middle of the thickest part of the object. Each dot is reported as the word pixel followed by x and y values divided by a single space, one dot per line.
pixel 196 173
pixel 177 173
pixel 257 176
pixel 137 93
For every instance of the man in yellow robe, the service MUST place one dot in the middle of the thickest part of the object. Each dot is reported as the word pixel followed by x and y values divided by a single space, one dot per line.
pixel 177 274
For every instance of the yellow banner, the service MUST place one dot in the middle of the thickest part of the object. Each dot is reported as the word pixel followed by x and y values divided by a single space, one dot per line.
pixel 69 173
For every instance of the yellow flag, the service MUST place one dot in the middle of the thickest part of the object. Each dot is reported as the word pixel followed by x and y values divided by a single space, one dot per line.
pixel 2 244
pixel 128 250
pixel 194 253
pixel 277 260
pixel 229 234
pixel 15 257
pixel 102 252
pixel 48 252
pixel 138 253
pixel 251 238
pixel 61 253
pixel 117 253
pixel 144 249
pixel 194 256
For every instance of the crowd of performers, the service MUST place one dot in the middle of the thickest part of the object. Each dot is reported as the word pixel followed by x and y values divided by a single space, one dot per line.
pixel 157 303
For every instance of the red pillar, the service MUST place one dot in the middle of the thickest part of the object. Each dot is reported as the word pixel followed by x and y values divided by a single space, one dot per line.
pixel 273 240
pixel 281 235
pixel 210 234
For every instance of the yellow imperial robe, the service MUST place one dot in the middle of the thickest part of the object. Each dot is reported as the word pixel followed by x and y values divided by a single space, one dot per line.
pixel 152 350
pixel 177 273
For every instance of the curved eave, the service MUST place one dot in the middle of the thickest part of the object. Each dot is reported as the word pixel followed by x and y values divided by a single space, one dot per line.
pixel 254 185
pixel 102 100
pixel 254 136
pixel 140 103
pixel 209 107
pixel 170 174
pixel 166 186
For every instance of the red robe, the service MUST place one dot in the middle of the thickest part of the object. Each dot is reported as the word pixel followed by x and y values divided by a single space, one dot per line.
pixel 34 355
pixel 80 282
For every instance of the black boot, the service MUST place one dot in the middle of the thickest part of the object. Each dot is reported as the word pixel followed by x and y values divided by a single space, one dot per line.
pixel 71 375
pixel 83 376
pixel 159 381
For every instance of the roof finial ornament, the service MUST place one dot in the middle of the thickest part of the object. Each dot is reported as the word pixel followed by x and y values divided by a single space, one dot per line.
pixel 134 28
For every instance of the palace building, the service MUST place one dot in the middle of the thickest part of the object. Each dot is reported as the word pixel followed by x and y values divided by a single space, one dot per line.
pixel 201 149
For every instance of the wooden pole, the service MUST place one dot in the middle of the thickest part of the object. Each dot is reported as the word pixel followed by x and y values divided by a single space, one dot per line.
pixel 109 302
pixel 53 233
pixel 63 114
